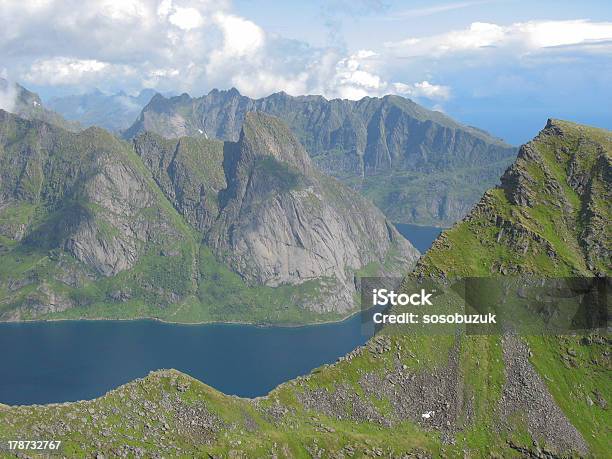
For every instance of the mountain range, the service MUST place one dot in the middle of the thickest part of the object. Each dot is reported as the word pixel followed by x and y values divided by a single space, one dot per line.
pixel 418 166
pixel 185 230
pixel 114 112
pixel 451 395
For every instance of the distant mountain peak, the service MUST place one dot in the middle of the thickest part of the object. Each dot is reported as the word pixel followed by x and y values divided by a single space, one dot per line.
pixel 112 111
pixel 29 105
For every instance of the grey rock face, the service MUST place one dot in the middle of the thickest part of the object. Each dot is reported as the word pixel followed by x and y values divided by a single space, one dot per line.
pixel 270 214
pixel 119 196
pixel 283 222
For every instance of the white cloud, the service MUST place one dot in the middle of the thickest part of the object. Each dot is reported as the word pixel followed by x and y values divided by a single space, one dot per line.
pixel 186 18
pixel 519 37
pixel 8 96
pixel 354 77
pixel 64 70
pixel 240 36
pixel 164 8
pixel 358 75
pixel 179 45
pixel 121 10
pixel 557 33
pixel 263 83
pixel 424 89
pixel 153 77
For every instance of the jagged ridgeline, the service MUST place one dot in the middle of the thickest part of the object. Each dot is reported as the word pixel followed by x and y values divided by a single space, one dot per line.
pixel 407 396
pixel 185 230
pixel 417 165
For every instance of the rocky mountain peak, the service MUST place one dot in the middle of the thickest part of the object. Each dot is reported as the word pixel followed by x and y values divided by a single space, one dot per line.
pixel 266 136
pixel 550 214
pixel 417 165
pixel 282 222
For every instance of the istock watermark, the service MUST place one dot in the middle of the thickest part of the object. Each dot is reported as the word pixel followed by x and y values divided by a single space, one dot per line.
pixel 524 305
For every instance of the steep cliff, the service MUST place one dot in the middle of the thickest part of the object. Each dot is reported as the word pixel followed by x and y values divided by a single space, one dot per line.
pixel 283 222
pixel 419 166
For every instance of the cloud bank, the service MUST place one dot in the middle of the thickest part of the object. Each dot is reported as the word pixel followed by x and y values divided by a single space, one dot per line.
pixel 181 45
pixel 517 38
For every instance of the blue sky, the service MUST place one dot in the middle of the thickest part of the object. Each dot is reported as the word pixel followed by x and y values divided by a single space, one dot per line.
pixel 512 101
pixel 501 65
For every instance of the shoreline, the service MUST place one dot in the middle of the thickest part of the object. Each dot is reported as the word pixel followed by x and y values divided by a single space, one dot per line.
pixel 4 406
pixel 170 322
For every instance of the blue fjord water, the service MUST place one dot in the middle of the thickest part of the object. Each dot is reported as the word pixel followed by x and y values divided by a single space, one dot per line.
pixel 421 236
pixel 48 362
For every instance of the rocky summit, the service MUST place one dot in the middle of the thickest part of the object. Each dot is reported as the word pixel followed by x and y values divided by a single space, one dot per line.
pixel 550 215
pixel 92 226
pixel 417 165
pixel 281 221
pixel 403 396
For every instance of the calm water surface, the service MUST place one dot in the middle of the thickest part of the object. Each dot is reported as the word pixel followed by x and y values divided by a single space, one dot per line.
pixel 48 362
pixel 421 236
pixel 45 362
